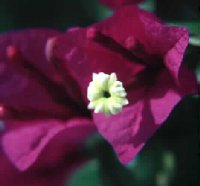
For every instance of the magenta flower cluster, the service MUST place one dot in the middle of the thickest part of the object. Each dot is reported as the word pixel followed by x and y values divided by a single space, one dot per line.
pixel 44 75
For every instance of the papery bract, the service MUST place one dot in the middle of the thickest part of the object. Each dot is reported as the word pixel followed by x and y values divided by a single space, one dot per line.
pixel 57 162
pixel 44 96
pixel 37 99
pixel 146 56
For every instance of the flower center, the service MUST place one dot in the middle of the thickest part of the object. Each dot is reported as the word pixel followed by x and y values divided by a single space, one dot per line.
pixel 106 94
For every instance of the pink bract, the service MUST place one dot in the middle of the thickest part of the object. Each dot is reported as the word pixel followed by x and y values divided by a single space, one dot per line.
pixel 146 55
pixel 36 100
pixel 44 96
pixel 54 166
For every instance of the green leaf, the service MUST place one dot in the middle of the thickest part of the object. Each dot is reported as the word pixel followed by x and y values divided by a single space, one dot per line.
pixel 87 176
pixel 95 10
pixel 104 170
pixel 149 5
pixel 195 40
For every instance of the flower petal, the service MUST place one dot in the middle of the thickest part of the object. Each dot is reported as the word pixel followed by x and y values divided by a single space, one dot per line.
pixel 165 93
pixel 52 168
pixel 174 56
pixel 151 39
pixel 83 57
pixel 31 43
pixel 120 130
pixel 20 92
pixel 24 145
pixel 129 131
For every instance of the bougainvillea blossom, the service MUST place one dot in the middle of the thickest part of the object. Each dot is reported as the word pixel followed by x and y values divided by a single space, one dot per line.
pixel 146 56
pixel 106 94
pixel 118 3
pixel 53 167
pixel 36 99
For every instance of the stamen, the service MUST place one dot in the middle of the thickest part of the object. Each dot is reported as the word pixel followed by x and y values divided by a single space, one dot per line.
pixel 113 45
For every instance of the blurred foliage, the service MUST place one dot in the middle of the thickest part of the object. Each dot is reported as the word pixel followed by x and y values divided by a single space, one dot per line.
pixel 193 26
pixel 171 157
pixel 195 40
pixel 88 175
pixel 149 5
pixel 178 10
pixel 18 14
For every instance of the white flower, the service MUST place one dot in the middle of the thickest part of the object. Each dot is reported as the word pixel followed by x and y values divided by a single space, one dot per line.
pixel 106 94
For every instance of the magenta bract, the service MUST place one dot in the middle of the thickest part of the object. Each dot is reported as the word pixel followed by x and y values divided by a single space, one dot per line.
pixel 54 166
pixel 36 102
pixel 146 55
pixel 43 91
